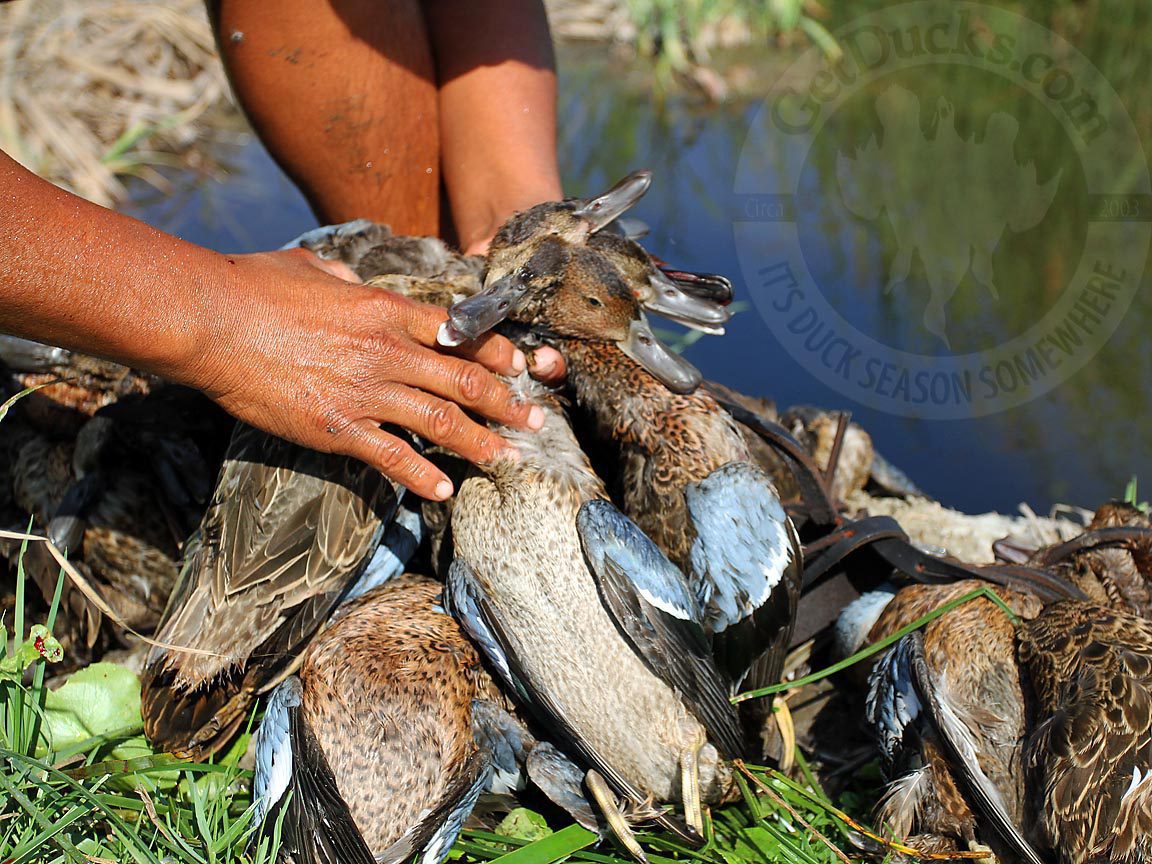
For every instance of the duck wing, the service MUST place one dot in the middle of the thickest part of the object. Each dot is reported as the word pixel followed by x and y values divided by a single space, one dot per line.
pixel 1090 760
pixel 652 605
pixel 466 600
pixel 286 533
pixel 295 787
pixel 905 694
pixel 746 570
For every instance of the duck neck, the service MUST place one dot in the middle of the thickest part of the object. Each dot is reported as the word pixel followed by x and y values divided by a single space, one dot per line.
pixel 552 452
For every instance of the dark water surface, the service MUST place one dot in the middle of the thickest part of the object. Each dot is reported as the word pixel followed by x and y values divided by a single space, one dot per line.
pixel 987 185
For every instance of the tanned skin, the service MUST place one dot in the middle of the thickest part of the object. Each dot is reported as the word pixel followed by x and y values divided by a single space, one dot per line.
pixel 367 105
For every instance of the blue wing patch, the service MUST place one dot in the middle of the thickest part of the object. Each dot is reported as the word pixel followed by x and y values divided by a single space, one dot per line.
pixel 401 539
pixel 651 603
pixel 609 535
pixel 273 770
pixel 746 570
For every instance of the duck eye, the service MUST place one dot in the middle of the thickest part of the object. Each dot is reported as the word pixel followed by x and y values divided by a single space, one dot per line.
pixel 593 301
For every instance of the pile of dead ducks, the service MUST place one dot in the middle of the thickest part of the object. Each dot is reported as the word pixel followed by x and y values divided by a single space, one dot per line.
pixel 575 622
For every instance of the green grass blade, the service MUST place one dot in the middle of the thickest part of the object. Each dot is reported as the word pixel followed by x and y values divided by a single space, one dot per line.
pixel 879 646
pixel 551 848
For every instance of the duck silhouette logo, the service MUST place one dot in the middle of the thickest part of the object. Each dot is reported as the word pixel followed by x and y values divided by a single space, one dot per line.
pixel 948 199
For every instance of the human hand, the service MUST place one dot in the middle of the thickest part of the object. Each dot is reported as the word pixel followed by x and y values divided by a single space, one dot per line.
pixel 306 354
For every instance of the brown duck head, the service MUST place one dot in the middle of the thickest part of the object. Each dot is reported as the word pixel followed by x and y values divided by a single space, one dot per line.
pixel 572 293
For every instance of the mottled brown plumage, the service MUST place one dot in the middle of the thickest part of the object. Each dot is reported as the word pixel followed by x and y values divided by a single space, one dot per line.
pixel 970 655
pixel 816 429
pixel 1089 752
pixel 1118 575
pixel 654 441
pixel 285 534
pixel 387 690
pixel 120 497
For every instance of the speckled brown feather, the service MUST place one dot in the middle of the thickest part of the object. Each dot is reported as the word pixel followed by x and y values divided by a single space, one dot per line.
pixel 970 653
pixel 128 549
pixel 387 691
pixel 285 533
pixel 1118 576
pixel 665 440
pixel 1089 755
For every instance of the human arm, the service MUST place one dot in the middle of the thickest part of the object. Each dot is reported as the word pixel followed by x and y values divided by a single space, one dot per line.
pixel 272 337
pixel 497 106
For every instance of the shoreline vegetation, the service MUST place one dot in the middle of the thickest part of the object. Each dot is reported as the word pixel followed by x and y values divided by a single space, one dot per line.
pixel 92 93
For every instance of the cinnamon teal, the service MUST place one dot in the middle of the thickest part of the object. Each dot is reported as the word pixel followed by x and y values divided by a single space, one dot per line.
pixel 630 689
pixel 685 472
pixel 947 706
pixel 1088 755
pixel 119 498
pixel 1036 739
pixel 377 749
pixel 539 550
pixel 288 535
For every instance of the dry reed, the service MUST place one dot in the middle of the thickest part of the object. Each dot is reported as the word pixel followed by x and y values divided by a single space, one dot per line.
pixel 96 89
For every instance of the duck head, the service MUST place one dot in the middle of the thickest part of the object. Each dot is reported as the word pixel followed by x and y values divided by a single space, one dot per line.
pixel 660 293
pixel 695 300
pixel 572 220
pixel 572 293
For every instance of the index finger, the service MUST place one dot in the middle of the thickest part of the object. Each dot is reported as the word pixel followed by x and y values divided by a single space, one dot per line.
pixel 492 351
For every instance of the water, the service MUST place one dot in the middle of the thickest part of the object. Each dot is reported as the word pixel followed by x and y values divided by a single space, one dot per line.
pixel 1080 442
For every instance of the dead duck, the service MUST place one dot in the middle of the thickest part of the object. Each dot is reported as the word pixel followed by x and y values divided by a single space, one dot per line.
pixel 286 534
pixel 947 706
pixel 509 264
pixel 686 474
pixel 120 498
pixel 387 735
pixel 372 250
pixel 1088 755
pixel 67 387
pixel 1111 562
pixel 1038 736
pixel 546 569
pixel 540 551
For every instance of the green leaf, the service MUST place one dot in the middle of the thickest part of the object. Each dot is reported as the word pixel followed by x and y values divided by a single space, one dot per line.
pixel 39 644
pixel 551 848
pixel 524 824
pixel 94 701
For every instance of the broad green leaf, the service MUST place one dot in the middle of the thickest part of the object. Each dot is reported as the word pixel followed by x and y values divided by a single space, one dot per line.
pixel 524 824
pixel 95 700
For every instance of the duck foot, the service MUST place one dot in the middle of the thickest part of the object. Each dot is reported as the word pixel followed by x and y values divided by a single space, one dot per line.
pixel 690 784
pixel 606 800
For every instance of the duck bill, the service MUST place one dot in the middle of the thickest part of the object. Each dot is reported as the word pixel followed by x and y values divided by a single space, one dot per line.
pixel 474 316
pixel 672 302
pixel 705 286
pixel 670 369
pixel 606 208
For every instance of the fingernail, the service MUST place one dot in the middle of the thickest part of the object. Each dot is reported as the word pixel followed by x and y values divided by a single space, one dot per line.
pixel 512 454
pixel 519 364
pixel 545 366
pixel 536 417
pixel 443 490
